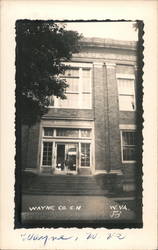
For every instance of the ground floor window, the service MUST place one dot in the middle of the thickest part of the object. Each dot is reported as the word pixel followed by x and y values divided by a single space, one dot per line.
pixel 66 149
pixel 47 153
pixel 85 154
pixel 128 146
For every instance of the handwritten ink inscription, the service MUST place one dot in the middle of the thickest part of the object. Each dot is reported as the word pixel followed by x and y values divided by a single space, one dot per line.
pixel 87 236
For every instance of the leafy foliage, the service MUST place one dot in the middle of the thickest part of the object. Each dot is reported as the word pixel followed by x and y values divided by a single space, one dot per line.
pixel 42 46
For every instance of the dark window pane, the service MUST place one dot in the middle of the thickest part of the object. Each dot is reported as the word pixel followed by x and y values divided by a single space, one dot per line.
pixel 47 153
pixel 129 153
pixel 128 138
pixel 129 145
pixel 48 131
pixel 67 132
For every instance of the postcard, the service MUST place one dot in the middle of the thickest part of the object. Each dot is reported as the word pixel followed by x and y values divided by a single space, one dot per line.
pixel 80 159
pixel 80 125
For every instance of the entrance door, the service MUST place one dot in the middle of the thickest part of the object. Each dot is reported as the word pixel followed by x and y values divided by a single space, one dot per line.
pixel 66 158
pixel 60 163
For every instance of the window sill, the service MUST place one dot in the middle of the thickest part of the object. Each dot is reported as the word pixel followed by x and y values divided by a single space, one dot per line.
pixel 84 167
pixel 128 162
pixel 121 110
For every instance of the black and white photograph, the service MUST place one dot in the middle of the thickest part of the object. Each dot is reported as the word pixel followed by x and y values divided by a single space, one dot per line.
pixel 78 111
pixel 78 123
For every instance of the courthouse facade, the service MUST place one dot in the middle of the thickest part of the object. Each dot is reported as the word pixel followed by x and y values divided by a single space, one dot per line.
pixel 92 132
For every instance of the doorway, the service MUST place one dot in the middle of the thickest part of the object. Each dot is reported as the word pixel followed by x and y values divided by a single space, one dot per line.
pixel 66 158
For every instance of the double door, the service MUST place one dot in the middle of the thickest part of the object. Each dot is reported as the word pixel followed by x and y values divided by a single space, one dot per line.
pixel 67 158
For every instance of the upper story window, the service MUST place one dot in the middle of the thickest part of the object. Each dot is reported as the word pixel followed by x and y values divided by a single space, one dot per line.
pixel 126 92
pixel 79 93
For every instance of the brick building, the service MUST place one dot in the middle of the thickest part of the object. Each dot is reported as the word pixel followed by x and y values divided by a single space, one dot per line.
pixel 92 132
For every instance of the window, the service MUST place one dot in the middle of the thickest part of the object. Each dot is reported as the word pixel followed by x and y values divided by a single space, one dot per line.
pixel 86 88
pixel 79 91
pixel 126 94
pixel 48 131
pixel 67 132
pixel 85 132
pixel 128 146
pixel 85 154
pixel 57 142
pixel 47 153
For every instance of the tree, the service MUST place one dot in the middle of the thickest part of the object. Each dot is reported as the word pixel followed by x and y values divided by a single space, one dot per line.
pixel 42 46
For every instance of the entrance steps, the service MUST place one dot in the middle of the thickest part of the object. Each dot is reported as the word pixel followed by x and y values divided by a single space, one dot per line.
pixel 62 185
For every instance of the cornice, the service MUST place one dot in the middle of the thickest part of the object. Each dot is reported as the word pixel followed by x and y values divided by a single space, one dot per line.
pixel 108 43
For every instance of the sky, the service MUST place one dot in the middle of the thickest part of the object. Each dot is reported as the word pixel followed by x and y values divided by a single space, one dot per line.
pixel 113 30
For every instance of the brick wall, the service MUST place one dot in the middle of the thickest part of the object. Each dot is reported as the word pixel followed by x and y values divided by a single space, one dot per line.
pixel 70 113
pixel 99 118
pixel 125 69
pixel 113 118
pixel 127 117
pixel 129 170
pixel 32 142
pixel 24 145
